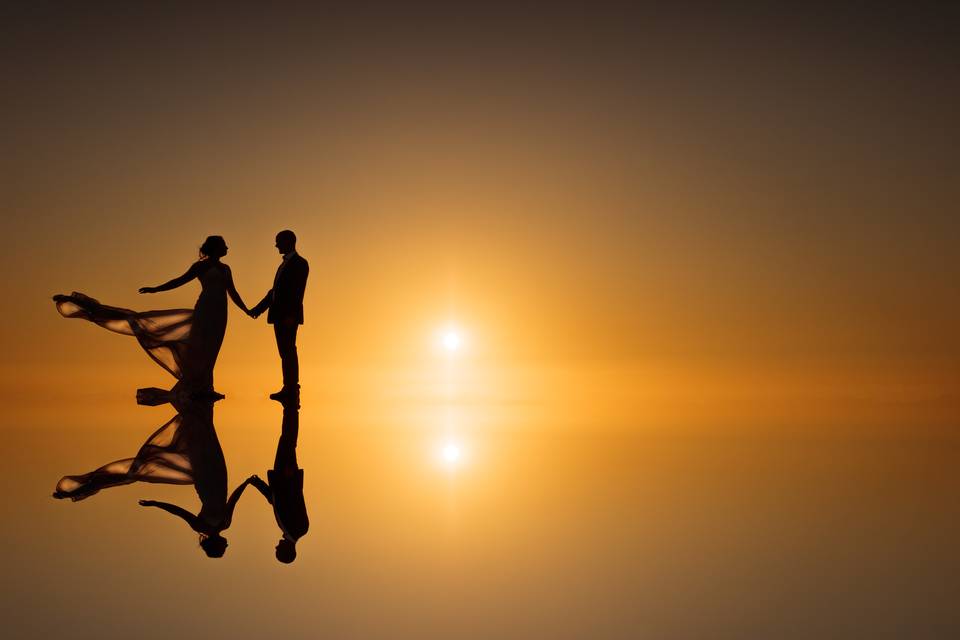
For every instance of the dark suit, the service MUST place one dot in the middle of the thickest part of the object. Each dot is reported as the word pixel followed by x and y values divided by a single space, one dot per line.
pixel 284 486
pixel 285 304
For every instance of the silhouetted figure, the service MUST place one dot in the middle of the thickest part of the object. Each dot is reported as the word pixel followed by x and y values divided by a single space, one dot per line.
pixel 284 486
pixel 209 314
pixel 185 450
pixel 285 304
pixel 206 459
pixel 184 342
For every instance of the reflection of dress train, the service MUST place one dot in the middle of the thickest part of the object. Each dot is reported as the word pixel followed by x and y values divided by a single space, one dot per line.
pixel 185 450
pixel 184 342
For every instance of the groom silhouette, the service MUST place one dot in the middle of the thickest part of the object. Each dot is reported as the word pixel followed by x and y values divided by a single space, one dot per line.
pixel 285 302
pixel 284 486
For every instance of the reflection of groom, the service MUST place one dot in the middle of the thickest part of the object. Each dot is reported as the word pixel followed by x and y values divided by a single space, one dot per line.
pixel 285 302
pixel 284 486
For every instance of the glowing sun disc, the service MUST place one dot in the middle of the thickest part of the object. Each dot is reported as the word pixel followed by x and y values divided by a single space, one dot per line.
pixel 451 340
pixel 451 453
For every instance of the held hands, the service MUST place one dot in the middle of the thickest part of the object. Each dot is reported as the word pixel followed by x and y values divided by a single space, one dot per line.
pixel 148 289
pixel 258 482
pixel 148 503
pixel 261 486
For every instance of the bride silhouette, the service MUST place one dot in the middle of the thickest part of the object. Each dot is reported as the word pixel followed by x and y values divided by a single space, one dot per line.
pixel 185 450
pixel 186 343
pixel 202 450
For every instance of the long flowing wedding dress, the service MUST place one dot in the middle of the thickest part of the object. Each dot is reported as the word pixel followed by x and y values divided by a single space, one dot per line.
pixel 186 343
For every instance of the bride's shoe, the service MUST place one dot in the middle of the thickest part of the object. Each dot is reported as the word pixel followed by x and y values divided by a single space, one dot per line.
pixel 152 396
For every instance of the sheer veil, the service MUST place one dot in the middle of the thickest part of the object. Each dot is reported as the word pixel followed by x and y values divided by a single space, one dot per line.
pixel 162 458
pixel 162 334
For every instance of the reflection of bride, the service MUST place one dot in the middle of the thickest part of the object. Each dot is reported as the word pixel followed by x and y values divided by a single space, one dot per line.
pixel 185 450
pixel 184 343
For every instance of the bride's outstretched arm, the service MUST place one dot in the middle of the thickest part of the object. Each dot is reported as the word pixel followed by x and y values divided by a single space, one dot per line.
pixel 180 512
pixel 179 281
pixel 232 290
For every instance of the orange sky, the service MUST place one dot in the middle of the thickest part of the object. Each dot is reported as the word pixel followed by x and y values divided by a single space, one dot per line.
pixel 641 222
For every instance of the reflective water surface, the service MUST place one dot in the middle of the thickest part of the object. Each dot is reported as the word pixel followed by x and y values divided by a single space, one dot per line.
pixel 512 531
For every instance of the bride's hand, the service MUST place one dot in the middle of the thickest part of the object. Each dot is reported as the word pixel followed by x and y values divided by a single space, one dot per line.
pixel 148 289
pixel 147 503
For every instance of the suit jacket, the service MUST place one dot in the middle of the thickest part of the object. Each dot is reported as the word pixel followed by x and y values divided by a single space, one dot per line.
pixel 285 300
pixel 289 508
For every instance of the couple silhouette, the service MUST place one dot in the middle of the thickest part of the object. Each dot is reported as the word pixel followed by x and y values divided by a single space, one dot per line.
pixel 186 343
pixel 209 321
pixel 186 450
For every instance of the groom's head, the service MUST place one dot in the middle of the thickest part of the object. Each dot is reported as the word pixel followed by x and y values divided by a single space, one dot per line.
pixel 286 241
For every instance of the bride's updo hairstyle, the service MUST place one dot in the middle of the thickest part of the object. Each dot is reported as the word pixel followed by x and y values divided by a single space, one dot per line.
pixel 213 247
pixel 214 546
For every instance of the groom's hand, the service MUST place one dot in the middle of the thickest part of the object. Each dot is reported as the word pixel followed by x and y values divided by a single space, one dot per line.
pixel 148 289
pixel 147 503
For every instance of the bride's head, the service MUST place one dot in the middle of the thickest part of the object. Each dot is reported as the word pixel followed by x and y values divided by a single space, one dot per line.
pixel 286 551
pixel 214 546
pixel 213 247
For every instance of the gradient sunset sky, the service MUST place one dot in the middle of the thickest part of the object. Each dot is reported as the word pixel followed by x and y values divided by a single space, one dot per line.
pixel 674 215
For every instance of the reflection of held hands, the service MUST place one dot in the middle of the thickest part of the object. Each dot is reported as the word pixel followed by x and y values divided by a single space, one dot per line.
pixel 148 289
pixel 147 503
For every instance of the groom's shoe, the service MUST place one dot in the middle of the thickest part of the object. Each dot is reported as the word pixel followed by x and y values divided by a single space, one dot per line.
pixel 287 393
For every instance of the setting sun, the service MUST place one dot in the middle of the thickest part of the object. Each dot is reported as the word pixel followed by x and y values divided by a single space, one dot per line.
pixel 451 454
pixel 451 339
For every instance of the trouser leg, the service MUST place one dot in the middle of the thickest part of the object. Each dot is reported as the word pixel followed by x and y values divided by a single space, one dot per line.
pixel 287 346
pixel 286 458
